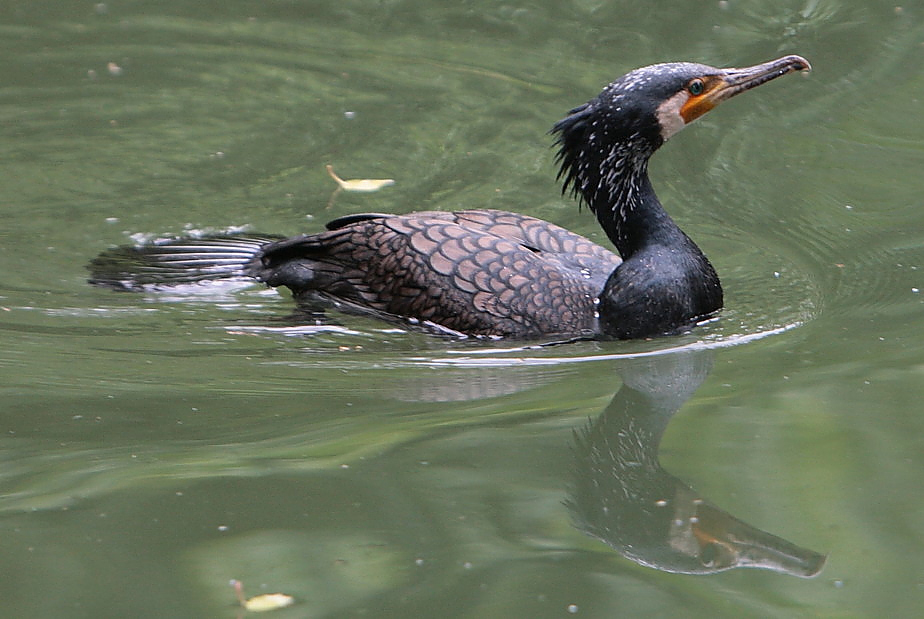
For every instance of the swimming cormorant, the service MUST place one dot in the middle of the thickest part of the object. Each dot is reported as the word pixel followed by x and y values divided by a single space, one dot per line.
pixel 496 273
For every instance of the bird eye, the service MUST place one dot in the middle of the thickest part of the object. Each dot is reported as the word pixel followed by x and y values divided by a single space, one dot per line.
pixel 696 87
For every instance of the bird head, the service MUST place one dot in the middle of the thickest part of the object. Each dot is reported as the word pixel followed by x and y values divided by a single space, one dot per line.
pixel 638 112
pixel 682 92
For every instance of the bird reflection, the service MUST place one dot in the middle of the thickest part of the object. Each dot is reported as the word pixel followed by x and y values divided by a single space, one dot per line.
pixel 623 497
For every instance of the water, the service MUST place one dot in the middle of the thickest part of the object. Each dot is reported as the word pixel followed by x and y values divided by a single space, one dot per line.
pixel 156 446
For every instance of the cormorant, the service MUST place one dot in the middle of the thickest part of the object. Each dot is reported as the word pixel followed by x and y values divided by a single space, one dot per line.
pixel 496 273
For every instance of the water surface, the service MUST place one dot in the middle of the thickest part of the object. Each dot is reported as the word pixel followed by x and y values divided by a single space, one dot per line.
pixel 155 446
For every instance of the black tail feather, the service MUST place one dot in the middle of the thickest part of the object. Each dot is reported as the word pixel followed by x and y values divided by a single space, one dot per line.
pixel 178 261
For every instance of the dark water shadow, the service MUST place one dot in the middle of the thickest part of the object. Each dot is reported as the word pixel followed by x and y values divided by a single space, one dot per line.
pixel 622 496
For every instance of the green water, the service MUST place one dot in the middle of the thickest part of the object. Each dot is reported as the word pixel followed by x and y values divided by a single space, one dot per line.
pixel 155 446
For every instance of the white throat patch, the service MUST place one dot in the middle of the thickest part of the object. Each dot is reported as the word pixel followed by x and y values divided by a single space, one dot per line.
pixel 669 114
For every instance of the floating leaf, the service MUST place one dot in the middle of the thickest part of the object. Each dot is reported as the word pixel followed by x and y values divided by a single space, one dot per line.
pixel 364 185
pixel 261 603
pixel 269 601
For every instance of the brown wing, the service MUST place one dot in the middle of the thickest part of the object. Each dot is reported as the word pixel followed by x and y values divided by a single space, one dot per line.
pixel 476 272
pixel 561 246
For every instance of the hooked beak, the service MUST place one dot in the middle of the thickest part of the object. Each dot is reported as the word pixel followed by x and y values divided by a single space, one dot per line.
pixel 727 83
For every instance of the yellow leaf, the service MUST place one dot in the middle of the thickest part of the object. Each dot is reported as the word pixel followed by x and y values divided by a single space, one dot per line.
pixel 364 185
pixel 269 601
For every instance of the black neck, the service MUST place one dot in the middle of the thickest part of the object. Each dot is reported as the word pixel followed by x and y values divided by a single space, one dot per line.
pixel 627 208
pixel 607 169
pixel 665 282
